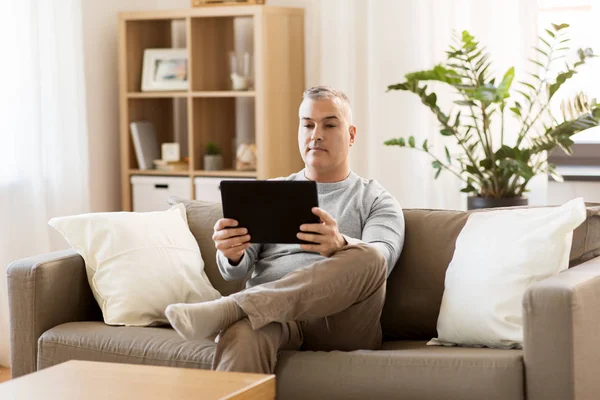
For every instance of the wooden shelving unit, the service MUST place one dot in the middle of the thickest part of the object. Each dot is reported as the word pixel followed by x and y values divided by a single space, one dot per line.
pixel 211 106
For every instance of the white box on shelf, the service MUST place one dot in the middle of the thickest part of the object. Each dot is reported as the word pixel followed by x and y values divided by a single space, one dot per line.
pixel 150 193
pixel 207 188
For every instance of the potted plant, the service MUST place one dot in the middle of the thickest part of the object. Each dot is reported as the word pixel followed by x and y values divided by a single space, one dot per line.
pixel 494 172
pixel 213 160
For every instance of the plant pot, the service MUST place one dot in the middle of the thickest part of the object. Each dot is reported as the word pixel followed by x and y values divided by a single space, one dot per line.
pixel 213 162
pixel 476 202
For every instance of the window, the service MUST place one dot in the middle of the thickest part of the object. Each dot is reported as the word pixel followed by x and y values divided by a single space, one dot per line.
pixel 583 17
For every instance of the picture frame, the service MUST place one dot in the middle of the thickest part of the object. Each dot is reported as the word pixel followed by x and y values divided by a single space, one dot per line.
pixel 165 70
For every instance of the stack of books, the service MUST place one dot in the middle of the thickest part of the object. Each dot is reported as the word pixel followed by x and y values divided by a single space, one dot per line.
pixel 162 165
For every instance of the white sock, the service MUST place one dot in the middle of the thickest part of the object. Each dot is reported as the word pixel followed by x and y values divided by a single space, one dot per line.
pixel 200 320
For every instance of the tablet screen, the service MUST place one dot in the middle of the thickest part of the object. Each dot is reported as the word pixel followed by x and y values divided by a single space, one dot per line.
pixel 272 211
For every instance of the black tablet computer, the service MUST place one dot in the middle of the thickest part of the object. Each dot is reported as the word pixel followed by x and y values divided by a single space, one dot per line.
pixel 272 211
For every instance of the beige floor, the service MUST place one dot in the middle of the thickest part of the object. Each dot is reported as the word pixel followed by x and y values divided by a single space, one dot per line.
pixel 4 374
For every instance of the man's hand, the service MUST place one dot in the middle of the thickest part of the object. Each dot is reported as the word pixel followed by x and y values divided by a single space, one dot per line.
pixel 232 242
pixel 326 235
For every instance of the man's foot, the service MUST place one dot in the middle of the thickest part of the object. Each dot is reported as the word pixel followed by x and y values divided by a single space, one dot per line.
pixel 200 320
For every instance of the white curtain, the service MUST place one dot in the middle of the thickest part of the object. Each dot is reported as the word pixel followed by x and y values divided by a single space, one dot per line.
pixel 43 138
pixel 362 46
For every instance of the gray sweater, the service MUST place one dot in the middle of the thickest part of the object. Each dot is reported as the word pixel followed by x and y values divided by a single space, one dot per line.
pixel 365 213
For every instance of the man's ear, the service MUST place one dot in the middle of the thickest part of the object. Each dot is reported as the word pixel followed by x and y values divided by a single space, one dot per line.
pixel 352 131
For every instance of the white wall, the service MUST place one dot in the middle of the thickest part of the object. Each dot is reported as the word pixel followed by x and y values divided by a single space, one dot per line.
pixel 100 38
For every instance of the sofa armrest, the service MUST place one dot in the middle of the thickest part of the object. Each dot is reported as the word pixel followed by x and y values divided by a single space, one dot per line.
pixel 43 292
pixel 561 332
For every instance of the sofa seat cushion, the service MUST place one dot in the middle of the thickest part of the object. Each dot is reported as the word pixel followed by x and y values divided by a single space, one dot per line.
pixel 402 371
pixel 96 341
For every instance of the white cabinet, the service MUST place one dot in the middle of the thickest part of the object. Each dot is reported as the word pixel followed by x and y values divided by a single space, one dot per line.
pixel 207 189
pixel 560 193
pixel 150 193
pixel 580 181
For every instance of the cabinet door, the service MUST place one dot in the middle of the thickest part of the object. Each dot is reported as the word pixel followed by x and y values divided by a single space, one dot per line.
pixel 151 193
pixel 207 189
pixel 559 193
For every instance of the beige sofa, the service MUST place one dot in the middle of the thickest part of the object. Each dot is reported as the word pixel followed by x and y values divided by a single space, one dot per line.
pixel 54 318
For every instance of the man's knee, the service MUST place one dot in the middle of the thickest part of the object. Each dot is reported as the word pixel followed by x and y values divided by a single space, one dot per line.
pixel 369 257
pixel 239 334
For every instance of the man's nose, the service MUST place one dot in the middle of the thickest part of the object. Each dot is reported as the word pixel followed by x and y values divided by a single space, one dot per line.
pixel 317 134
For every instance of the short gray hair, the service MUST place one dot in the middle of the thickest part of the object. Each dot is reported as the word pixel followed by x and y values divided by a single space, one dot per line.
pixel 327 92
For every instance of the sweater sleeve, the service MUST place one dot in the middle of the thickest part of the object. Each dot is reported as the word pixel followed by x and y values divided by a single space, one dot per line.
pixel 384 229
pixel 240 271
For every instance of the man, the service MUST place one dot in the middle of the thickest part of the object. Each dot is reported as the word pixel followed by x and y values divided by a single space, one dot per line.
pixel 323 296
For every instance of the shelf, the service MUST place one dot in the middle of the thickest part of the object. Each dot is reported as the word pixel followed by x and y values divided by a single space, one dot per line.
pixel 158 172
pixel 226 173
pixel 209 111
pixel 213 93
pixel 222 173
pixel 155 95
pixel 224 93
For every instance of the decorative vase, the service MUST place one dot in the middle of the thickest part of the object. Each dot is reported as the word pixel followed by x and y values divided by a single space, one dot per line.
pixel 476 202
pixel 213 162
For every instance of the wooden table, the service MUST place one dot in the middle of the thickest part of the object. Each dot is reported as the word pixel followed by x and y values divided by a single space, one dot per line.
pixel 74 380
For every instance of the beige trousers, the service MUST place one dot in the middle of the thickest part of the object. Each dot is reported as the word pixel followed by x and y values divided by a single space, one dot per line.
pixel 334 304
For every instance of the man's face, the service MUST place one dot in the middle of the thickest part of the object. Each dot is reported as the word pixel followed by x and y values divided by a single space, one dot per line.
pixel 324 134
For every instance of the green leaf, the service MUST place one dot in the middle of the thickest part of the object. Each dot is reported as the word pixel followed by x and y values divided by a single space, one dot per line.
pixel 469 189
pixel 467 38
pixel 472 170
pixel 541 51
pixel 504 152
pixel 550 33
pixel 525 170
pixel 560 79
pixel 395 142
pixel 436 164
pixel 560 136
pixel 459 66
pixel 486 94
pixel 537 63
pixel 552 171
pixel 529 85
pixel 438 73
pixel 439 171
pixel 481 62
pixel 560 27
pixel 469 103
pixel 481 77
pixel 411 141
pixel 516 111
pixel 448 155
pixel 486 163
pixel 425 146
pixel 504 87
pixel 398 86
pixel 524 95
pixel 457 120
pixel 447 132
pixel 544 41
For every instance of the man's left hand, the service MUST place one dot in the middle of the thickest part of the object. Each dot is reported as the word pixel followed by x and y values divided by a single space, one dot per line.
pixel 328 240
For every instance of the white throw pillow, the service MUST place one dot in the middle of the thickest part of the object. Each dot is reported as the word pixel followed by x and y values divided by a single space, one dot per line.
pixel 498 255
pixel 138 263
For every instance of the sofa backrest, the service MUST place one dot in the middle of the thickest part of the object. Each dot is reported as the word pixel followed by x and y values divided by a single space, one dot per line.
pixel 416 285
pixel 202 217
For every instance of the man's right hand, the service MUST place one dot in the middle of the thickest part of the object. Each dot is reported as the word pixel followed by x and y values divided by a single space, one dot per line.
pixel 232 241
